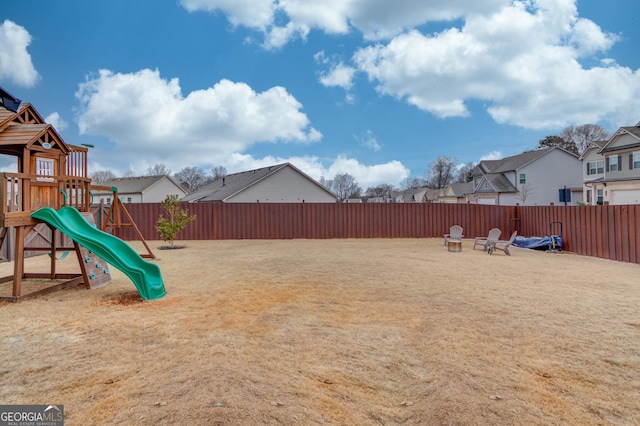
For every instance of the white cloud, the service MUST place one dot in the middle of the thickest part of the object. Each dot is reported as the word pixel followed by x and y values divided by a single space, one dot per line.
pixel 522 60
pixel 392 172
pixel 56 121
pixel 256 14
pixel 493 155
pixel 340 75
pixel 369 141
pixel 151 122
pixel 15 60
pixel 376 19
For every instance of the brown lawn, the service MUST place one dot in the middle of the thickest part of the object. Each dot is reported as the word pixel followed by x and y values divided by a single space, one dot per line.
pixel 345 332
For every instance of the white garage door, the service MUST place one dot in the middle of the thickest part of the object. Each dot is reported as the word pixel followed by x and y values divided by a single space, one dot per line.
pixel 486 201
pixel 625 196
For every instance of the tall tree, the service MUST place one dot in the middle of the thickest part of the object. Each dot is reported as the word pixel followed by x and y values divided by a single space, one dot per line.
pixel 380 191
pixel 158 170
pixel 584 135
pixel 100 176
pixel 343 185
pixel 412 182
pixel 440 172
pixel 551 141
pixel 218 171
pixel 191 178
pixel 465 173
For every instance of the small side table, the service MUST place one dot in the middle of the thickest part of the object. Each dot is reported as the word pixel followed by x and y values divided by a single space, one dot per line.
pixel 454 245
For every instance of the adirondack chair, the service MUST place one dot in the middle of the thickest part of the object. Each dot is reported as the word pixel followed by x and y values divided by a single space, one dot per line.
pixel 455 233
pixel 503 245
pixel 485 242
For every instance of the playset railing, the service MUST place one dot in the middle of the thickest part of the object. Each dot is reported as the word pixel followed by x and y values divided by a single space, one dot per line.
pixel 21 194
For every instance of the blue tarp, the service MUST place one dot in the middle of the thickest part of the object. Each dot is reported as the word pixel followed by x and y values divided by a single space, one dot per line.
pixel 539 243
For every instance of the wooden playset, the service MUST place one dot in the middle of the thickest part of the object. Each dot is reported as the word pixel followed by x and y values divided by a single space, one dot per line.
pixel 50 173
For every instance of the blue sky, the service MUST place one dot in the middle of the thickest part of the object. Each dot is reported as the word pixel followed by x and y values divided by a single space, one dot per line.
pixel 374 88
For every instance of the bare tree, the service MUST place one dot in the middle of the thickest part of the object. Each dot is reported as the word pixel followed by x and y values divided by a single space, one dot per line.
pixel 440 172
pixel 465 173
pixel 582 136
pixel 158 170
pixel 381 191
pixel 412 183
pixel 100 176
pixel 525 190
pixel 218 171
pixel 343 185
pixel 191 178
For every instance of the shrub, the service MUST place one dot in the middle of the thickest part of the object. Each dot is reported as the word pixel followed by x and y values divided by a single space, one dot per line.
pixel 177 219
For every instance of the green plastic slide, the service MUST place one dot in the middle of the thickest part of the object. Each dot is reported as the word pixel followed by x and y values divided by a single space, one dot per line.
pixel 145 275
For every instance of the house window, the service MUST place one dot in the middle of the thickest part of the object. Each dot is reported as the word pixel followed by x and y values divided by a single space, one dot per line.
pixel 108 200
pixel 613 163
pixel 596 167
pixel 523 178
pixel 589 196
pixel 44 167
pixel 636 160
pixel 128 199
pixel 600 199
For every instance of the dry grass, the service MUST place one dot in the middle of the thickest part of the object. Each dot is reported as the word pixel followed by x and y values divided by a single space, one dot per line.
pixel 336 332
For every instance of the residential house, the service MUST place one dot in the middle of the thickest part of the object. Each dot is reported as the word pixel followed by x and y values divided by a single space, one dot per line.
pixel 533 178
pixel 282 183
pixel 141 189
pixel 418 195
pixel 617 169
pixel 457 192
pixel 593 174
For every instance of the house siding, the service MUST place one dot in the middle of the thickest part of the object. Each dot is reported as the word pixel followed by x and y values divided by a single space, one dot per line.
pixel 548 174
pixel 284 186
pixel 621 186
pixel 159 191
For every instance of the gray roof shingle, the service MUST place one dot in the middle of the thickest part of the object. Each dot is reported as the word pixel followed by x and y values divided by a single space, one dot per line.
pixel 133 185
pixel 515 162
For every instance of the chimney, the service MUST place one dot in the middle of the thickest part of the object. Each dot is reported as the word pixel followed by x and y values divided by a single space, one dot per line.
pixel 223 181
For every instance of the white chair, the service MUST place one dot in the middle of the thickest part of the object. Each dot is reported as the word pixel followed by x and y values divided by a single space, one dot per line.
pixel 455 233
pixel 485 242
pixel 503 245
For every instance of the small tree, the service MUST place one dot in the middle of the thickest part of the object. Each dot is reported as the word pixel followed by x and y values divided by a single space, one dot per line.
pixel 177 219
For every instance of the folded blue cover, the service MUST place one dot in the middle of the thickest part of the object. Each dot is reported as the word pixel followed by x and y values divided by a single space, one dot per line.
pixel 539 243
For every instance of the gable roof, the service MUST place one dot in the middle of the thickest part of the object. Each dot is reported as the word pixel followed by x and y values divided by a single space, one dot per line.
pixel 27 129
pixel 418 195
pixel 593 145
pixel 497 181
pixel 227 186
pixel 460 189
pixel 633 131
pixel 516 162
pixel 136 185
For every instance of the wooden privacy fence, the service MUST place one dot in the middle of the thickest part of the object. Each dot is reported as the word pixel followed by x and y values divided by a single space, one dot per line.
pixel 610 232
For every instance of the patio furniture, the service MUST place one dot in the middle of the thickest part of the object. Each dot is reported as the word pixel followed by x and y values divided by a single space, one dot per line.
pixel 485 242
pixel 455 233
pixel 503 245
